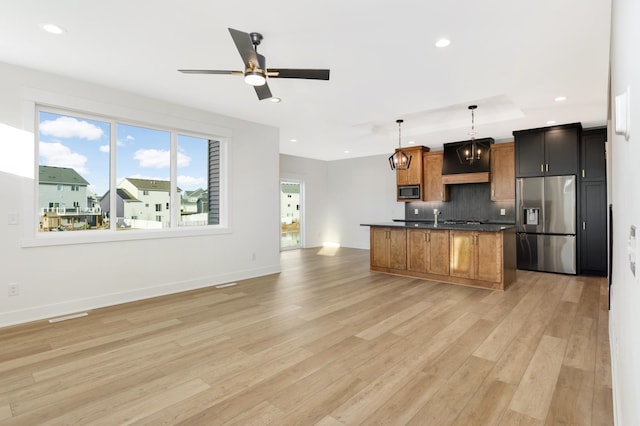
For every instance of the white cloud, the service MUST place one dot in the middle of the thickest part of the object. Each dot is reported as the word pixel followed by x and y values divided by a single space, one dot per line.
pixel 191 181
pixel 58 155
pixel 129 138
pixel 104 148
pixel 69 127
pixel 158 158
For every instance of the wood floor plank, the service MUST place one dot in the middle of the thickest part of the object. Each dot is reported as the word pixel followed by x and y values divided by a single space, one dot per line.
pixel 487 404
pixel 451 398
pixel 324 342
pixel 535 391
pixel 572 398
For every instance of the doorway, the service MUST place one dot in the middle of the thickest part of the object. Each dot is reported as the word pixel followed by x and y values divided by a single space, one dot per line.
pixel 290 215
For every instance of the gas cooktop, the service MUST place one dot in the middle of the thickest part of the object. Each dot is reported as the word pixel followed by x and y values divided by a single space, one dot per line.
pixel 465 221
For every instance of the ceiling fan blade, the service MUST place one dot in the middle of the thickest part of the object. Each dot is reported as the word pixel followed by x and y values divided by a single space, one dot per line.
pixel 245 47
pixel 311 74
pixel 263 91
pixel 211 72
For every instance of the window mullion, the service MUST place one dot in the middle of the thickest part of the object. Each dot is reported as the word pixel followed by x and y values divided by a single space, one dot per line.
pixel 113 190
pixel 173 173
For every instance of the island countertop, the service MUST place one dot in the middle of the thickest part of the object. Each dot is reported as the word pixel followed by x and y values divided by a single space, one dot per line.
pixel 483 227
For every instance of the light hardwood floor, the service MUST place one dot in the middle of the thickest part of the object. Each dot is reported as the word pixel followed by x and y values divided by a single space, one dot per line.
pixel 325 342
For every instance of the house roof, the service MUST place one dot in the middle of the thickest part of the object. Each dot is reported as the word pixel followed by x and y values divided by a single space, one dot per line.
pixel 60 175
pixel 150 185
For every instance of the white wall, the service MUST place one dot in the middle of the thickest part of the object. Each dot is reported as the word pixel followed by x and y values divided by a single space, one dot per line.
pixel 313 175
pixel 625 301
pixel 105 273
pixel 361 190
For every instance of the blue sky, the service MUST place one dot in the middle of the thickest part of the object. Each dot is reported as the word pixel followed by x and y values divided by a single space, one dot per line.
pixel 83 144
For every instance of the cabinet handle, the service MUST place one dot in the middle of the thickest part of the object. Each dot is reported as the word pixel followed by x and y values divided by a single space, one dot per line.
pixel 541 167
pixel 547 167
pixel 584 225
pixel 429 238
pixel 583 173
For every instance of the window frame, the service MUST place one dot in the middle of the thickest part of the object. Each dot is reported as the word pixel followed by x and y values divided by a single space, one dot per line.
pixel 175 125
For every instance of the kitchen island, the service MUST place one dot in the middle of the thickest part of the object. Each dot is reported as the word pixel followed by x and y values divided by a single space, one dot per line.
pixel 477 255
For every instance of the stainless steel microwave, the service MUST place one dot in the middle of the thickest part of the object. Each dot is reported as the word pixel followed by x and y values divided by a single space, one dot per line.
pixel 408 192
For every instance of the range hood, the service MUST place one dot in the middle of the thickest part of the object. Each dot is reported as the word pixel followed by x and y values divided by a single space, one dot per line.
pixel 455 170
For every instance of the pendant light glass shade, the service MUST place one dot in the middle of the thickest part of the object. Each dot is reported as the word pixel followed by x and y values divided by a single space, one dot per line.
pixel 400 160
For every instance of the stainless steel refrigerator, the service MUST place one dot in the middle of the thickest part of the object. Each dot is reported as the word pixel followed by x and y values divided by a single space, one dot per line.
pixel 546 223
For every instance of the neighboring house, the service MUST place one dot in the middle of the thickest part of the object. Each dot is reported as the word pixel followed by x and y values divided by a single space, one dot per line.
pixel 126 204
pixel 61 189
pixel 64 200
pixel 154 198
pixel 196 201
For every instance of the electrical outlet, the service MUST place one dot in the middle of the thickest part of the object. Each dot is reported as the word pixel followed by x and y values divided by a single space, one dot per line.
pixel 503 212
pixel 14 290
pixel 253 256
pixel 415 211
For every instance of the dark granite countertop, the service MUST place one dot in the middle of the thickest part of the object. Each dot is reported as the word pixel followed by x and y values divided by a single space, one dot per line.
pixel 486 227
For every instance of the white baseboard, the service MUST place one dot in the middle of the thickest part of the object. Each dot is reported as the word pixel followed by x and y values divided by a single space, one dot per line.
pixel 41 312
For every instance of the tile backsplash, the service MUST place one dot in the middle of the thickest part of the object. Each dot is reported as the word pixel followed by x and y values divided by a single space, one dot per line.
pixel 467 201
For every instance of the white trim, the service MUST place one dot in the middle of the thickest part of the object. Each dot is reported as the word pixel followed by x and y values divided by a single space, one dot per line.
pixel 79 305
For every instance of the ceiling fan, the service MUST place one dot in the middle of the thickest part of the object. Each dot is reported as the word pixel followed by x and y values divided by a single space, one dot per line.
pixel 255 67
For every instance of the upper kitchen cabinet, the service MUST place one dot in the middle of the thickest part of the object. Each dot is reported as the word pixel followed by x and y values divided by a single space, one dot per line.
pixel 547 151
pixel 592 154
pixel 434 188
pixel 410 182
pixel 503 175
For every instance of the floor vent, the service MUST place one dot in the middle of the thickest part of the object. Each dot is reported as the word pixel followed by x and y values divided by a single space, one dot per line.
pixel 68 317
pixel 225 285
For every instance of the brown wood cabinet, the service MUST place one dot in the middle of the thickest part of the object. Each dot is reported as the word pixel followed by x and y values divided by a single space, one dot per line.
pixel 434 189
pixel 476 255
pixel 428 251
pixel 388 248
pixel 484 259
pixel 503 172
pixel 413 175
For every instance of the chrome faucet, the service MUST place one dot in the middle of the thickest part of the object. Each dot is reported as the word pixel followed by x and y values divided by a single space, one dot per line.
pixel 436 213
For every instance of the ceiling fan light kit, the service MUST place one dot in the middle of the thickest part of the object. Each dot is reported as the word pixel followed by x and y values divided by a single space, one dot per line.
pixel 255 68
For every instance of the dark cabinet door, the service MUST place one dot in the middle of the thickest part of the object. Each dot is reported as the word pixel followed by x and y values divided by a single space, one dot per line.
pixel 592 152
pixel 561 151
pixel 529 154
pixel 593 228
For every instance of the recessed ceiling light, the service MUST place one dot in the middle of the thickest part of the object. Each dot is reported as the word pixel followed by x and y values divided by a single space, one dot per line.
pixel 551 122
pixel 52 29
pixel 293 140
pixel 275 100
pixel 412 142
pixel 560 98
pixel 443 42
pixel 346 151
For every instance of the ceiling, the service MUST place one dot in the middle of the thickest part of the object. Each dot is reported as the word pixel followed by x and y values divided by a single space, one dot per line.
pixel 511 58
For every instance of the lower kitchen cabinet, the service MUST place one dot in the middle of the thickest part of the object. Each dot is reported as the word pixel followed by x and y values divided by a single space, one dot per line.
pixel 484 259
pixel 428 251
pixel 389 248
pixel 477 255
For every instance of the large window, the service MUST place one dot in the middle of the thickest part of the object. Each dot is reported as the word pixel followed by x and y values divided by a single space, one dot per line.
pixel 162 178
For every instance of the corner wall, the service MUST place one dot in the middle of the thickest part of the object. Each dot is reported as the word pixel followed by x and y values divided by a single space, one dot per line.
pixel 60 279
pixel 625 183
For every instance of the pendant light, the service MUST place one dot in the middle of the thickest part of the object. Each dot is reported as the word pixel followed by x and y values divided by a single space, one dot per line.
pixel 400 160
pixel 472 151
